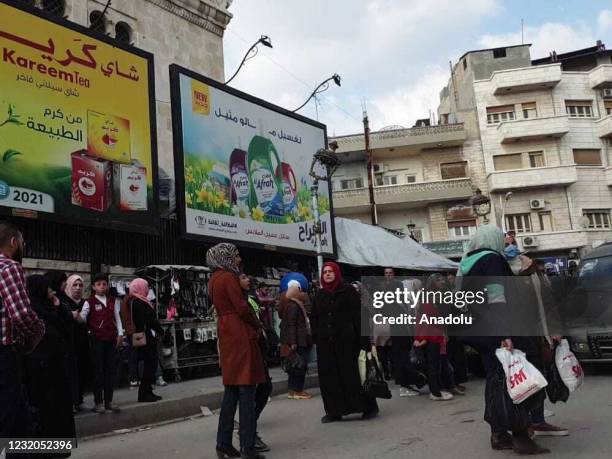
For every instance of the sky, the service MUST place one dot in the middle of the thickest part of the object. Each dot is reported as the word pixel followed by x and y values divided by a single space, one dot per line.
pixel 393 55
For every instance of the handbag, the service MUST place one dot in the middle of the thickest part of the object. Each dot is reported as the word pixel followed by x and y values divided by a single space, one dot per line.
pixel 556 389
pixel 294 365
pixel 139 339
pixel 375 386
pixel 501 410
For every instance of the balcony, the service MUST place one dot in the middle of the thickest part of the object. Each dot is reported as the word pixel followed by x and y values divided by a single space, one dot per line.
pixel 526 79
pixel 351 200
pixel 537 177
pixel 443 135
pixel 609 176
pixel 601 77
pixel 424 192
pixel 604 126
pixel 533 129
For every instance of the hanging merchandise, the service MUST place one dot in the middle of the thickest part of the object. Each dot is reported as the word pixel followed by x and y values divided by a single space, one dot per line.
pixel 187 334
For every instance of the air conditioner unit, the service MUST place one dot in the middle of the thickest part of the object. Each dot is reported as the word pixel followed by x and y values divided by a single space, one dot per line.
pixel 379 168
pixel 606 93
pixel 536 204
pixel 530 241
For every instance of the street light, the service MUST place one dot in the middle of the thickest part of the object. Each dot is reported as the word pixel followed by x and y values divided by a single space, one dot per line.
pixel 481 205
pixel 324 86
pixel 264 40
pixel 503 209
pixel 327 161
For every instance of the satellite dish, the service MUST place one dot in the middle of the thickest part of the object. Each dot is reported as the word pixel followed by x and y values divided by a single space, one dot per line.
pixel 584 222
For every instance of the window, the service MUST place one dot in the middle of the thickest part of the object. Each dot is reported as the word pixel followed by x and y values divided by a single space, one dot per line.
pixel 410 178
pixel 499 52
pixel 608 106
pixel 529 110
pixel 536 159
pixel 500 114
pixel 598 218
pixel 508 162
pixel 461 229
pixel 545 221
pixel 587 157
pixel 56 7
pixel 579 108
pixel 453 170
pixel 351 184
pixel 97 23
pixel 444 118
pixel 123 32
pixel 390 180
pixel 519 223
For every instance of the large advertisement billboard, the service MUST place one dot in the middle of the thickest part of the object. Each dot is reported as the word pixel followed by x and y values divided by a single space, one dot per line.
pixel 242 168
pixel 77 128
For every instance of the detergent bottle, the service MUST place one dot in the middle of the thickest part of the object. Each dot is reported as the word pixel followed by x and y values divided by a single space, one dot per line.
pixel 290 188
pixel 264 176
pixel 240 189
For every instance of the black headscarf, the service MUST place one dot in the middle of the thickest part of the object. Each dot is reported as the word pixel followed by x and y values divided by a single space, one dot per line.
pixel 56 279
pixel 38 291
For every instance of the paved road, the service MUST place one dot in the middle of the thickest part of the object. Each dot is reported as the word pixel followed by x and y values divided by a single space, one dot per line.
pixel 412 427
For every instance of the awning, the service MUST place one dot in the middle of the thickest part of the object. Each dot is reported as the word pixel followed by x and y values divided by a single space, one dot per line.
pixel 175 267
pixel 366 245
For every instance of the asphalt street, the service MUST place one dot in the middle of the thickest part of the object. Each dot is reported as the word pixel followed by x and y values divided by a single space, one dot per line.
pixel 412 427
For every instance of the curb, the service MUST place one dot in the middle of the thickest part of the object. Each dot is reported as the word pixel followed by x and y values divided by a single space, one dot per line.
pixel 142 414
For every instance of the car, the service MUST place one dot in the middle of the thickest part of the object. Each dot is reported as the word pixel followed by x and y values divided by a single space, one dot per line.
pixel 587 309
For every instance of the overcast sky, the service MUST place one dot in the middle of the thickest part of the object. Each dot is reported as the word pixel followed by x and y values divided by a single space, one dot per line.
pixel 394 54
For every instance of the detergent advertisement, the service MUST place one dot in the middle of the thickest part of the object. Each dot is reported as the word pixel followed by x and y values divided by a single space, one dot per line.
pixel 76 128
pixel 244 166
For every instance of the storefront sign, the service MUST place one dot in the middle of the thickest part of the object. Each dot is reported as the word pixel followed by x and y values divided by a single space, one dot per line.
pixel 242 167
pixel 77 128
pixel 451 249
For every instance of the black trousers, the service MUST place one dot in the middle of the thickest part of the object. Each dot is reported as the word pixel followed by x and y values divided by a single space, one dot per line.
pixel 104 357
pixel 384 357
pixel 456 355
pixel 234 395
pixel 439 372
pixel 148 355
pixel 400 358
pixel 262 393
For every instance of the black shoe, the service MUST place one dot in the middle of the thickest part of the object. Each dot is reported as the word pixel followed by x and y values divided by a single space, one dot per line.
pixel 147 398
pixel 501 440
pixel 226 452
pixel 251 453
pixel 158 397
pixel 370 414
pixel 330 418
pixel 260 446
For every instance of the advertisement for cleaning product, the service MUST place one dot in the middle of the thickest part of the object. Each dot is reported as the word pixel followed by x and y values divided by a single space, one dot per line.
pixel 76 125
pixel 244 166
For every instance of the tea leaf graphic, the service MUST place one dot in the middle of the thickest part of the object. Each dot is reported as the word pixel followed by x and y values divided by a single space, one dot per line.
pixel 10 110
pixel 8 154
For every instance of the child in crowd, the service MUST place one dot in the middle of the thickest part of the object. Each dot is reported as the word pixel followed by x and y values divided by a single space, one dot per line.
pixel 101 314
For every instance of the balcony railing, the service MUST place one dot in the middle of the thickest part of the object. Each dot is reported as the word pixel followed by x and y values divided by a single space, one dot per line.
pixel 344 199
pixel 533 129
pixel 537 177
pixel 534 78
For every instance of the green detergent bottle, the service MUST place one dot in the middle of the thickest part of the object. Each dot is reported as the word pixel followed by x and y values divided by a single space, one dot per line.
pixel 265 177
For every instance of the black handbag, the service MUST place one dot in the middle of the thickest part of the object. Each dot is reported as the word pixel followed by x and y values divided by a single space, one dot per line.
pixel 501 410
pixel 294 365
pixel 556 390
pixel 374 385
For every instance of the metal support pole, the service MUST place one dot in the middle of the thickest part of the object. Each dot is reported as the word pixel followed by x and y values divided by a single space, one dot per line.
pixel 317 224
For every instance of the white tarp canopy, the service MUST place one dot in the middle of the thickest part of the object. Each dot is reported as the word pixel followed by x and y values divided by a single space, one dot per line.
pixel 366 245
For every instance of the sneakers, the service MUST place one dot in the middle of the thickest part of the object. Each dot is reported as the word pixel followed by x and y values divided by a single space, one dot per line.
pixel 406 392
pixel 134 384
pixel 99 408
pixel 303 395
pixel 160 382
pixel 112 407
pixel 457 391
pixel 443 397
pixel 547 430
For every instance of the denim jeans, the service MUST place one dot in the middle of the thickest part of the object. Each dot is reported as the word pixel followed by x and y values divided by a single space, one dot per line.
pixel 296 383
pixel 234 395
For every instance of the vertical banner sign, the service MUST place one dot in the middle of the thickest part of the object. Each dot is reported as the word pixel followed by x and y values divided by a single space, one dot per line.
pixel 242 168
pixel 77 139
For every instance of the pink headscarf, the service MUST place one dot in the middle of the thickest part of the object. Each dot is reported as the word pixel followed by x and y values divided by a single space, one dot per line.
pixel 139 288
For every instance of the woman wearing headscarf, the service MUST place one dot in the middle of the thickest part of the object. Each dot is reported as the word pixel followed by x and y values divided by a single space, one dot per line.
pixel 240 357
pixel 47 373
pixel 75 301
pixel 336 328
pixel 483 268
pixel 141 318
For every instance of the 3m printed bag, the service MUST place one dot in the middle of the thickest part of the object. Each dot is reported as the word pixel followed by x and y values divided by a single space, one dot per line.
pixel 522 378
pixel 568 366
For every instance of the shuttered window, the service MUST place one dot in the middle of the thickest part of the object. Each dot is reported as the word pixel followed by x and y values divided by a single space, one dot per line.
pixel 587 157
pixel 508 162
pixel 453 170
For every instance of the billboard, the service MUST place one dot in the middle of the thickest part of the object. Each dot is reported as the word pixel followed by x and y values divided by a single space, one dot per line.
pixel 242 168
pixel 77 127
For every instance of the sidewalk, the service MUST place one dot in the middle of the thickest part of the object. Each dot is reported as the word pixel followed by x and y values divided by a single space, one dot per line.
pixel 180 400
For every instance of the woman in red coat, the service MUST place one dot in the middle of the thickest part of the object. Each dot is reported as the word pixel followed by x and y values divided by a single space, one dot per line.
pixel 239 353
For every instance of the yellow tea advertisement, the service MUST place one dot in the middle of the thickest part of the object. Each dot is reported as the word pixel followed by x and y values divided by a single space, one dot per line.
pixel 76 124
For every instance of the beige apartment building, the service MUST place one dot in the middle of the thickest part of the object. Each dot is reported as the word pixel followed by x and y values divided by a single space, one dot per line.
pixel 534 136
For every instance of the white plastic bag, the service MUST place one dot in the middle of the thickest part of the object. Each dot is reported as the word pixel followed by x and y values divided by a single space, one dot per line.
pixel 568 366
pixel 522 378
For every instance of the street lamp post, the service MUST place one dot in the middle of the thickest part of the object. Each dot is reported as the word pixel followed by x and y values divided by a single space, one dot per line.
pixel 327 161
pixel 324 86
pixel 264 40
